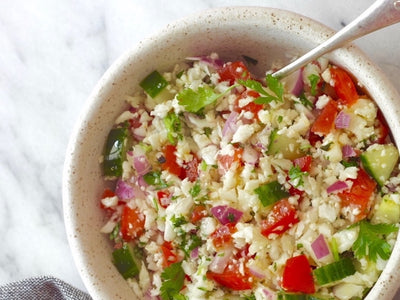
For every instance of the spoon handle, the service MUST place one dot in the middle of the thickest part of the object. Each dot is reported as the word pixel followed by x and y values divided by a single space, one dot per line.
pixel 380 14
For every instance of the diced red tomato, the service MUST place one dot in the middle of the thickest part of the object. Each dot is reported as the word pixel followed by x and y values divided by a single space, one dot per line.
pixel 232 277
pixel 108 193
pixel 188 170
pixel 191 169
pixel 132 223
pixel 223 235
pixel 359 195
pixel 382 128
pixel 304 163
pixel 198 213
pixel 325 122
pixel 313 138
pixel 225 162
pixel 297 275
pixel 164 198
pixel 282 216
pixel 169 254
pixel 232 71
pixel 344 86
pixel 251 106
pixel 170 163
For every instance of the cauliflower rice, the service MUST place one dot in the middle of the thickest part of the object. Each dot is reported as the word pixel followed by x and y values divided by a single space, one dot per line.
pixel 227 186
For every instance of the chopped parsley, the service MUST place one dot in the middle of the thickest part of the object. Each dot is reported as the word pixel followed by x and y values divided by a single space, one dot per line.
pixel 115 232
pixel 326 147
pixel 231 217
pixel 194 101
pixel 351 162
pixel 314 79
pixel 207 131
pixel 154 178
pixel 273 84
pixel 195 190
pixel 370 242
pixel 296 176
pixel 173 278
pixel 173 124
pixel 304 100
pixel 178 220
pixel 189 242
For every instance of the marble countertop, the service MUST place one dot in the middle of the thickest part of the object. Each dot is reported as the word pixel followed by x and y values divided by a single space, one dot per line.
pixel 52 54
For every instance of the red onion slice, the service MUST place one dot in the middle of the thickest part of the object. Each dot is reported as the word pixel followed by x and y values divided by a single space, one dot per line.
pixel 320 247
pixel 250 155
pixel 221 260
pixel 226 214
pixel 337 187
pixel 230 124
pixel 348 151
pixel 256 272
pixel 124 191
pixel 141 164
pixel 342 120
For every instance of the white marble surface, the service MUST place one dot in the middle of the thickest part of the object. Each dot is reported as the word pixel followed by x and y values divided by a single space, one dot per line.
pixel 51 55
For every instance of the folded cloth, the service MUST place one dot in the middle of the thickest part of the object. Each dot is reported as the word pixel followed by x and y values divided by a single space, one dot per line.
pixel 43 288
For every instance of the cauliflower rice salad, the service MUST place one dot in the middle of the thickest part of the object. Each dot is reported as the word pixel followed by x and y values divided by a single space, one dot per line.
pixel 222 185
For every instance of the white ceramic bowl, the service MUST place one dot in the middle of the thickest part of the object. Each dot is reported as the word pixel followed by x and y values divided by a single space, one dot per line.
pixel 262 33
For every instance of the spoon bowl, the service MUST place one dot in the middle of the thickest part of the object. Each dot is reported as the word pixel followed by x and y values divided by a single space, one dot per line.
pixel 380 14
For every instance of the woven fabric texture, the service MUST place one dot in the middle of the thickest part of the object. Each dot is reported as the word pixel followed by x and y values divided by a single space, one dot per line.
pixel 43 288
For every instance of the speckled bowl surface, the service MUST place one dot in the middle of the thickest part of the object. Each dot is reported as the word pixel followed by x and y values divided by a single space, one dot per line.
pixel 269 35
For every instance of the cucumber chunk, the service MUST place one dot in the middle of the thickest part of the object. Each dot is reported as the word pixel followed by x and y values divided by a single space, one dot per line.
pixel 271 192
pixel 334 271
pixel 379 161
pixel 289 147
pixel 115 152
pixel 388 211
pixel 127 261
pixel 153 84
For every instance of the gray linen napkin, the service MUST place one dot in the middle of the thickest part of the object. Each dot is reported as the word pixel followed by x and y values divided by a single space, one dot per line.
pixel 43 288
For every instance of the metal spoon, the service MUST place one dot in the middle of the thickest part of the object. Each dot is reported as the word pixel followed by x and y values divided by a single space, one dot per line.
pixel 380 14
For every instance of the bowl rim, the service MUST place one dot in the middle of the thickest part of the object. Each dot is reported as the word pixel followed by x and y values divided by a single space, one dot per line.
pixel 384 287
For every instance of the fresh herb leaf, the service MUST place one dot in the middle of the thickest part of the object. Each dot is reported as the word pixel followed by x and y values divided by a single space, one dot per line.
pixel 254 85
pixel 303 100
pixel 207 131
pixel 154 178
pixel 314 79
pixel 115 232
pixel 178 220
pixel 326 147
pixel 351 162
pixel 194 101
pixel 195 190
pixel 179 297
pixel 189 242
pixel 249 297
pixel 173 124
pixel 296 176
pixel 231 217
pixel 275 85
pixel 172 281
pixel 370 241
